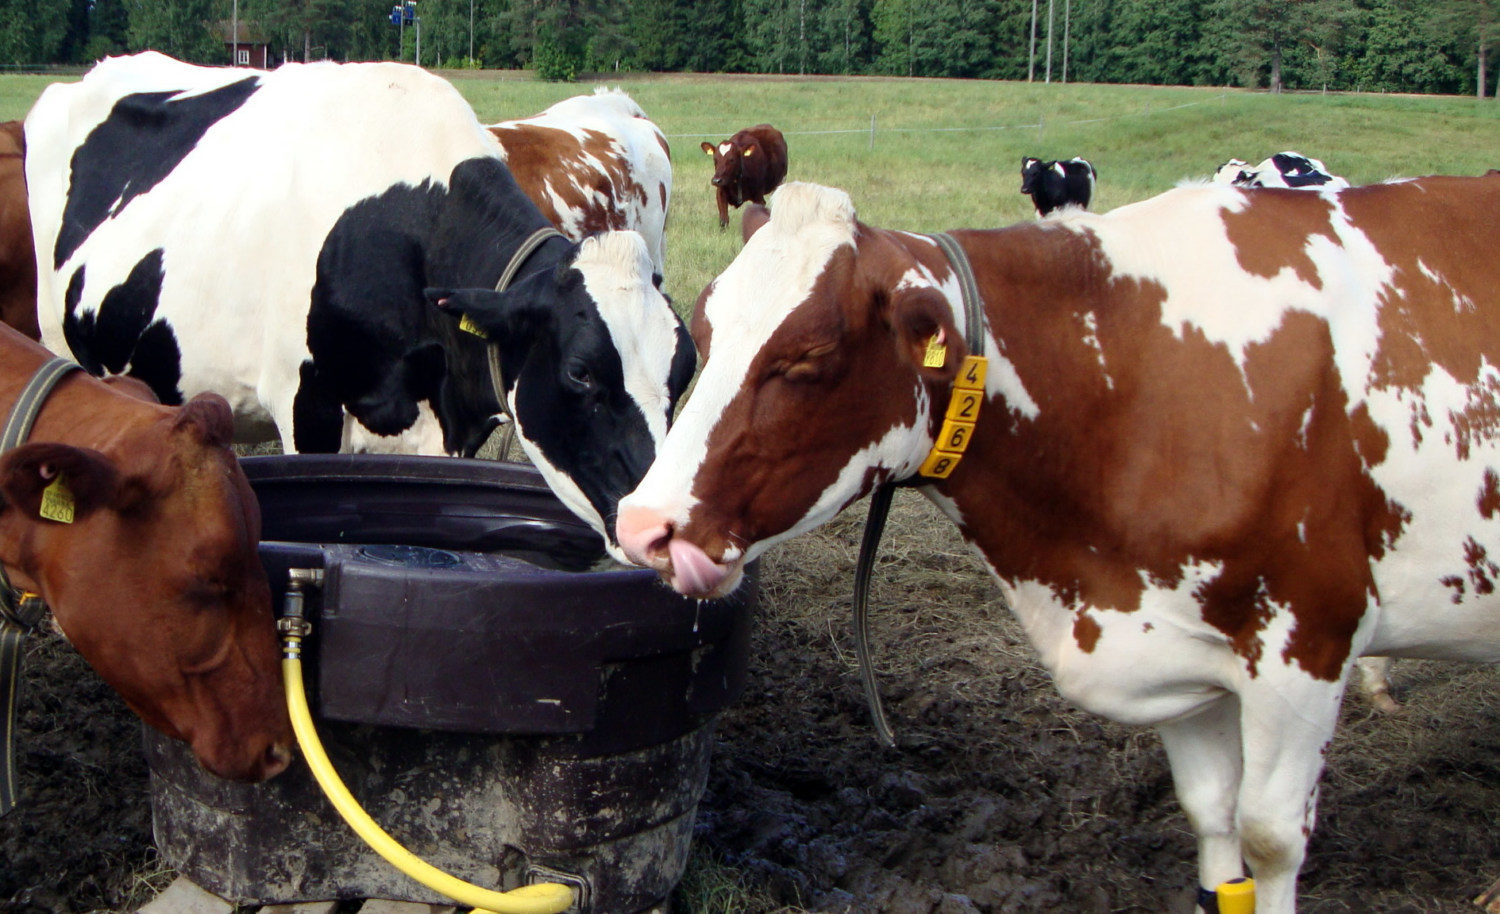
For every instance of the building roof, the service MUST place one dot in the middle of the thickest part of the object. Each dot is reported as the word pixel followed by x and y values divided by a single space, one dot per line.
pixel 249 32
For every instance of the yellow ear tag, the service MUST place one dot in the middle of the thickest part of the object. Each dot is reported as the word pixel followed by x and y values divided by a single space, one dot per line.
pixel 57 502
pixel 936 353
pixel 466 324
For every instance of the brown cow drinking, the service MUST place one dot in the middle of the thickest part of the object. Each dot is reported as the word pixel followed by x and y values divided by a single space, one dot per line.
pixel 155 580
pixel 747 166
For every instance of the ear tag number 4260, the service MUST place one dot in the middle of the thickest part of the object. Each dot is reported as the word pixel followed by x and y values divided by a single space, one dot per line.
pixel 57 502
pixel 936 353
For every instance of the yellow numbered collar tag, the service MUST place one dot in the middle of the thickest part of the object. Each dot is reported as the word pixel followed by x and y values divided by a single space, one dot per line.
pixel 959 420
pixel 936 353
pixel 971 373
pixel 467 325
pixel 57 502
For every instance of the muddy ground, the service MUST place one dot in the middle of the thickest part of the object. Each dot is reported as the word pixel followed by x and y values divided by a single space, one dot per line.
pixel 999 798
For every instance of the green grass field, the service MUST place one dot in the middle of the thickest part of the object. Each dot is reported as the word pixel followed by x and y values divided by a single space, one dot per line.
pixel 946 153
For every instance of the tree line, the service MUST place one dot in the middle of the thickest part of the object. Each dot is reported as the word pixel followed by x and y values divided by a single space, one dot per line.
pixel 1428 46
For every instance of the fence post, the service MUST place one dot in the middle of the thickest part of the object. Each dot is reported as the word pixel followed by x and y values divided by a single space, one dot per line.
pixel 872 131
pixel 1041 122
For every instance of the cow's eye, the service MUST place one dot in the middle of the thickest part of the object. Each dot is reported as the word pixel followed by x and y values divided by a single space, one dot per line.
pixel 579 374
pixel 809 366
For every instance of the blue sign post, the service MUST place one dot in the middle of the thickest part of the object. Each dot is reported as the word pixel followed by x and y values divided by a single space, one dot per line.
pixel 402 15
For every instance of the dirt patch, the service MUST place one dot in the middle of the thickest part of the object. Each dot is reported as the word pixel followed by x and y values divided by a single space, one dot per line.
pixel 999 798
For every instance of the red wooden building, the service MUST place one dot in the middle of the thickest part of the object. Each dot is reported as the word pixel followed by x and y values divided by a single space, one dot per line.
pixel 249 48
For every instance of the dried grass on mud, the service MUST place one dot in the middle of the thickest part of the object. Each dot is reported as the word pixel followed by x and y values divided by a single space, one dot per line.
pixel 999 798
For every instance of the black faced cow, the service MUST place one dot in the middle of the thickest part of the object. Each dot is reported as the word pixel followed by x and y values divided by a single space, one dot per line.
pixel 1054 184
pixel 1225 444
pixel 747 166
pixel 268 236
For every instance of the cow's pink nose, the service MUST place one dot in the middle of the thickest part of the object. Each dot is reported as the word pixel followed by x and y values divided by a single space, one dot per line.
pixel 643 534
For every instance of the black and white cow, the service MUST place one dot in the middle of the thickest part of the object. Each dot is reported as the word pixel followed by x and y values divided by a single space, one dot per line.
pixel 1054 184
pixel 1284 169
pixel 268 236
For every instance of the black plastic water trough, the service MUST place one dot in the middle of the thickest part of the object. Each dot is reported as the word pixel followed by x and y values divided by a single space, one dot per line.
pixel 505 711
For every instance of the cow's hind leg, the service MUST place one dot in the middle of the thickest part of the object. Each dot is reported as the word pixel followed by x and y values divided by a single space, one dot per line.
pixel 1287 721
pixel 1375 683
pixel 1204 751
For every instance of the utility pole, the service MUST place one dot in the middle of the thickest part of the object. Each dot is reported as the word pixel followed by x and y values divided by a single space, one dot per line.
pixel 471 34
pixel 1031 64
pixel 1049 41
pixel 234 35
pixel 1067 21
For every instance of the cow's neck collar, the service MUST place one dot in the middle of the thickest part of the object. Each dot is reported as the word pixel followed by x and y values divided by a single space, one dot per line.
pixel 967 394
pixel 947 450
pixel 19 612
pixel 507 276
pixel 13 434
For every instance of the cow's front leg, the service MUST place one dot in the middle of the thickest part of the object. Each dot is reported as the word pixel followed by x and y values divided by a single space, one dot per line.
pixel 1204 752
pixel 1287 720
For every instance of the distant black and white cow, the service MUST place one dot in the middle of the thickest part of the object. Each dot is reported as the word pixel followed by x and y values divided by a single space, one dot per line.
pixel 269 235
pixel 1054 184
pixel 1284 169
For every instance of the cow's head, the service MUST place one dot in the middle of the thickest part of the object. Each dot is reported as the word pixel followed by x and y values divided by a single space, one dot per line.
pixel 813 391
pixel 727 157
pixel 1032 169
pixel 156 580
pixel 593 360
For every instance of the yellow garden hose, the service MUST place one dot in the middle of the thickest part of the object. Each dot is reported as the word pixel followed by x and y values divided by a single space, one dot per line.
pixel 540 898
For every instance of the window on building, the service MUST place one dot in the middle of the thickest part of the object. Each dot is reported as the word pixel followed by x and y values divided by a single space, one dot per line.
pixel 242 57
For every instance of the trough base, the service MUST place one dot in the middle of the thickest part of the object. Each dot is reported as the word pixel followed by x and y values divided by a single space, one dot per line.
pixel 494 811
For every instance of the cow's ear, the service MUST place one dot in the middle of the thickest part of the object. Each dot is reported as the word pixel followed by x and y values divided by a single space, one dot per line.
pixel 483 312
pixel 926 335
pixel 1028 161
pixel 753 217
pixel 707 147
pixel 209 417
pixel 57 482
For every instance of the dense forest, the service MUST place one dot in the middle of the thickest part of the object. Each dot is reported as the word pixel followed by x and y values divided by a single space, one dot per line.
pixel 1369 45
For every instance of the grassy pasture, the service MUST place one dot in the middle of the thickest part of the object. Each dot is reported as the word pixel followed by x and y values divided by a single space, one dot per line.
pixel 946 153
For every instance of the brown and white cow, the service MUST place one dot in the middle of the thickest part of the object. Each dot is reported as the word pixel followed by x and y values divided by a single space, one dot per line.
pixel 594 163
pixel 17 260
pixel 747 166
pixel 1229 441
pixel 156 580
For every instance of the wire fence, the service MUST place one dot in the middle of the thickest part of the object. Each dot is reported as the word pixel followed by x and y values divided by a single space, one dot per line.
pixel 1040 125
